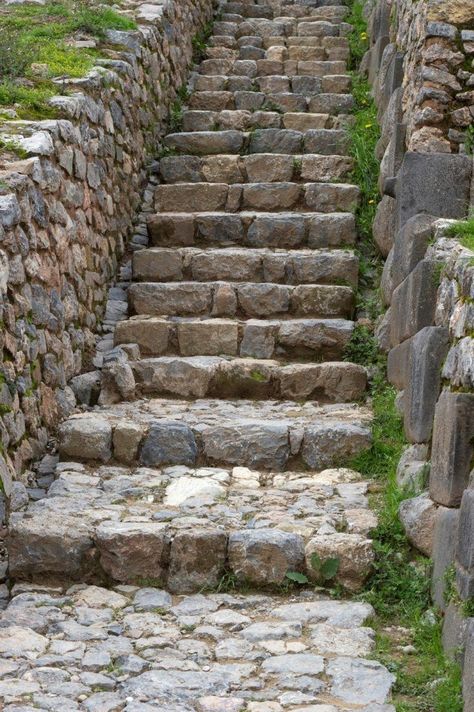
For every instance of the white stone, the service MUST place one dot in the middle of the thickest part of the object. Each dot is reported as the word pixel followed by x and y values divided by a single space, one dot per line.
pixel 190 487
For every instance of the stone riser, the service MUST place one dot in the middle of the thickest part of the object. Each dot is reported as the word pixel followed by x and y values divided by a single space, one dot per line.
pixel 243 120
pixel 258 230
pixel 244 300
pixel 259 167
pixel 256 69
pixel 267 444
pixel 239 95
pixel 276 141
pixel 246 265
pixel 304 339
pixel 320 197
pixel 213 377
pixel 226 47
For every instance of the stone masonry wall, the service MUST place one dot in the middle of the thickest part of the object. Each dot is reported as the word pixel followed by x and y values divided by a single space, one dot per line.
pixel 420 64
pixel 66 213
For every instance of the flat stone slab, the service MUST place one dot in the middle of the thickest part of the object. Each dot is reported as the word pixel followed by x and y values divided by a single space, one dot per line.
pixel 94 649
pixel 186 526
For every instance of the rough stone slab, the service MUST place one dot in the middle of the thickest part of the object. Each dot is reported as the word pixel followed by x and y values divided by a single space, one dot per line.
pixel 452 447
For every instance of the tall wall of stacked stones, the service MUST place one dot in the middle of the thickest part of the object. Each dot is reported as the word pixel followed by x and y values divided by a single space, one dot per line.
pixel 66 213
pixel 420 64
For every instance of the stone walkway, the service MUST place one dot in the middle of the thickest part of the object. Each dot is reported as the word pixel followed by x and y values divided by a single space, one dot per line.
pixel 214 460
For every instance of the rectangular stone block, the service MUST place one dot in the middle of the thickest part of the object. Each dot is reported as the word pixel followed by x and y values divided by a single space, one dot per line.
pixel 433 183
pixel 465 546
pixel 410 246
pixel 414 302
pixel 428 351
pixel 398 364
pixel 444 546
pixel 452 447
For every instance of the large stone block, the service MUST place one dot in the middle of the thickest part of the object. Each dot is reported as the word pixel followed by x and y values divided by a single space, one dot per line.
pixel 383 227
pixel 452 448
pixel 398 364
pixel 264 556
pixel 417 516
pixel 325 444
pixel 465 547
pixel 197 559
pixel 248 443
pixel 444 545
pixel 428 351
pixel 410 245
pixel 414 302
pixel 433 183
pixel 133 550
pixel 168 442
pixel 355 554
pixel 88 438
pixel 468 677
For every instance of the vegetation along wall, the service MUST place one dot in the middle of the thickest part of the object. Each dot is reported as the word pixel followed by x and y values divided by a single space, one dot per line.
pixel 420 66
pixel 73 167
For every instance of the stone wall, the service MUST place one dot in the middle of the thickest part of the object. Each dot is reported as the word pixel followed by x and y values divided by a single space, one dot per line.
pixel 420 64
pixel 67 211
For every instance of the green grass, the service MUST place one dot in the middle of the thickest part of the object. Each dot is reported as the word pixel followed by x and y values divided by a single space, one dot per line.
pixel 463 231
pixel 38 34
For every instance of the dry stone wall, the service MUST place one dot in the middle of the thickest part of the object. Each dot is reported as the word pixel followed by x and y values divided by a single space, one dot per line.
pixel 420 64
pixel 67 211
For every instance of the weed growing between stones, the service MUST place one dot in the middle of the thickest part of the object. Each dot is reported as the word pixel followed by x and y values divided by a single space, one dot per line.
pixel 35 47
pixel 399 589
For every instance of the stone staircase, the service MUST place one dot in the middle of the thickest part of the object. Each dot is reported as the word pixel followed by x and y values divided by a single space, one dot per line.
pixel 215 457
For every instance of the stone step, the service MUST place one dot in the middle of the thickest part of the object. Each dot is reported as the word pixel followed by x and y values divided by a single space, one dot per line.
pixel 254 168
pixel 287 141
pixel 251 229
pixel 217 377
pixel 183 527
pixel 278 196
pixel 279 48
pixel 241 95
pixel 244 120
pixel 244 299
pixel 268 435
pixel 286 72
pixel 169 264
pixel 312 339
pixel 247 10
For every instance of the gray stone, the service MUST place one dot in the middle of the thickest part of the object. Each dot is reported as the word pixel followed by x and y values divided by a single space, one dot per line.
pixel 248 443
pixel 197 560
pixel 168 442
pixel 414 301
pixel 468 677
pixel 444 544
pixel 410 245
pixel 359 681
pixel 133 550
pixel 428 351
pixel 383 228
pixel 264 556
pixel 454 630
pixel 433 183
pixel 325 444
pixel 147 599
pixel 86 387
pixel 418 516
pixel 452 447
pixel 18 497
pixel 88 438
pixel 465 547
pixel 413 468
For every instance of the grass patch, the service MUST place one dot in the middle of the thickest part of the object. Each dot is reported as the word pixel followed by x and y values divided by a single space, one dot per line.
pixel 39 34
pixel 199 42
pixel 462 231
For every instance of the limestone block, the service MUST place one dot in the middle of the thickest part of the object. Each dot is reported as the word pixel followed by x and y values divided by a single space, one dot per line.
pixel 88 438
pixel 418 516
pixel 264 556
pixel 445 537
pixel 414 302
pixel 133 550
pixel 197 559
pixel 168 442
